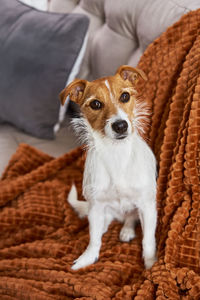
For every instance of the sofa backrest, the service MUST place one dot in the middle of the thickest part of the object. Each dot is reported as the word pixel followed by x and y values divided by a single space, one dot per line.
pixel 119 30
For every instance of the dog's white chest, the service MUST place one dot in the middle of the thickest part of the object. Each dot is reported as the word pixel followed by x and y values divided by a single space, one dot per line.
pixel 117 174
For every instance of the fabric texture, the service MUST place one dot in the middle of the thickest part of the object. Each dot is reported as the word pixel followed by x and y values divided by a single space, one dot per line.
pixel 38 51
pixel 41 235
pixel 118 33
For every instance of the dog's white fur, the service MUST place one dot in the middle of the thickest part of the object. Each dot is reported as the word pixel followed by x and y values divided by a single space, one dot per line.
pixel 119 183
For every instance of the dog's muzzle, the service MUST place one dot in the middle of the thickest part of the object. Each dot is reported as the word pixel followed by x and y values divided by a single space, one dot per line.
pixel 120 127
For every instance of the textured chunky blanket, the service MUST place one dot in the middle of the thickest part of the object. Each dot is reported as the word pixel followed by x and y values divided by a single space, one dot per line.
pixel 40 234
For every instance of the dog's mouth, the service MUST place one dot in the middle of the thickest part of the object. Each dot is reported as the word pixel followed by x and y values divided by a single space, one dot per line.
pixel 121 137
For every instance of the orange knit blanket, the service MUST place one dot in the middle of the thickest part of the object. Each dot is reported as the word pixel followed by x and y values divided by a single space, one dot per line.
pixel 40 234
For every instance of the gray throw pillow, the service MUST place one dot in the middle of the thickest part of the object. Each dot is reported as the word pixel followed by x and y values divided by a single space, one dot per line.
pixel 37 53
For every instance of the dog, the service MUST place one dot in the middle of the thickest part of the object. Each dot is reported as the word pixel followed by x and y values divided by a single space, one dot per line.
pixel 119 179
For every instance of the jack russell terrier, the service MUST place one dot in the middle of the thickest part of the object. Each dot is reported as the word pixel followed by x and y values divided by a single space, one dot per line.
pixel 119 179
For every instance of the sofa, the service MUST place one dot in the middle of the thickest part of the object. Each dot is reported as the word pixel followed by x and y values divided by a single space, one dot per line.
pixel 118 33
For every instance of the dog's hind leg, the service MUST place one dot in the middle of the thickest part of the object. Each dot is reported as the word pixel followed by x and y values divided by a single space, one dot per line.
pixel 127 232
pixel 81 207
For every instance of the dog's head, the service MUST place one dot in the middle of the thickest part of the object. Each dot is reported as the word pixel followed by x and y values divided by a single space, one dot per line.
pixel 107 103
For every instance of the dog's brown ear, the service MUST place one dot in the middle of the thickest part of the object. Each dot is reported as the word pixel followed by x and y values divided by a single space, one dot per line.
pixel 75 91
pixel 130 73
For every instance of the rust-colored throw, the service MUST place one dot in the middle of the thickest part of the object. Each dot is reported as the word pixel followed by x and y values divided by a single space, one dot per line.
pixel 41 235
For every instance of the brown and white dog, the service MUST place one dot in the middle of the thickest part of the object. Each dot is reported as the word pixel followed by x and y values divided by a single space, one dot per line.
pixel 120 170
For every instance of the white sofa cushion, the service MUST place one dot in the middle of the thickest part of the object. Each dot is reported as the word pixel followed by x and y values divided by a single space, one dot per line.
pixel 11 138
pixel 39 4
pixel 120 30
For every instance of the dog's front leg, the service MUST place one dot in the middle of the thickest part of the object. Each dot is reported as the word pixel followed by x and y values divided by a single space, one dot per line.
pixel 96 229
pixel 148 218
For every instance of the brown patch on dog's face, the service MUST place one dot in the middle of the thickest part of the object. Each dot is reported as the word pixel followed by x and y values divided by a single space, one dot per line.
pixel 97 116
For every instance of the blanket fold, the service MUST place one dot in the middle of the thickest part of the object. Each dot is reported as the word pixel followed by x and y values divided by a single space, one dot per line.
pixel 41 235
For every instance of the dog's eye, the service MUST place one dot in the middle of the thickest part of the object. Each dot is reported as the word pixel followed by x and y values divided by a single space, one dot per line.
pixel 96 104
pixel 125 97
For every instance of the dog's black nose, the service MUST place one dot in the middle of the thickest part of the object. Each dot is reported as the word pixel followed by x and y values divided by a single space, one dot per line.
pixel 120 126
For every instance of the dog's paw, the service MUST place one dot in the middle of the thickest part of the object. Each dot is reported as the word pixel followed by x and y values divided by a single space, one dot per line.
pixel 86 259
pixel 126 234
pixel 148 262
